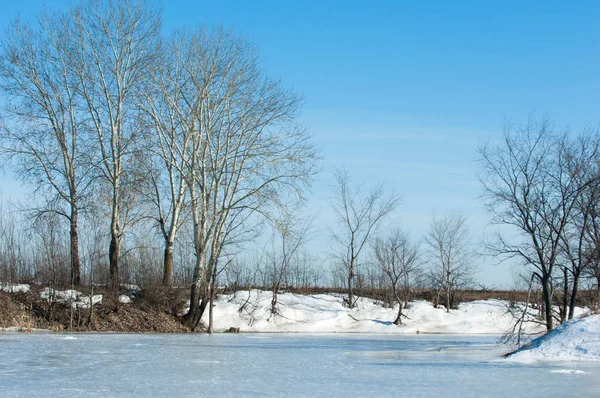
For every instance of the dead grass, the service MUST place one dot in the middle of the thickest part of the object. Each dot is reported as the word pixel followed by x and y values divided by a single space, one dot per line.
pixel 28 311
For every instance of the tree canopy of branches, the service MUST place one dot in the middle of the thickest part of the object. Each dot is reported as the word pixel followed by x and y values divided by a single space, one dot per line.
pixel 359 216
pixel 450 249
pixel 399 261
pixel 43 128
pixel 289 236
pixel 533 182
pixel 115 51
pixel 245 155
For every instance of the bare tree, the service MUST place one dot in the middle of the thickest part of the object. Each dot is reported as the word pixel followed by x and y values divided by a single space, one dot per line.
pixel 526 188
pixel 42 129
pixel 245 155
pixel 165 104
pixel 580 160
pixel 451 254
pixel 359 215
pixel 289 236
pixel 398 259
pixel 115 51
pixel 592 269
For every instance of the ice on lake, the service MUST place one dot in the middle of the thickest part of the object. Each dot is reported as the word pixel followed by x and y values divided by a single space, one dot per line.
pixel 277 365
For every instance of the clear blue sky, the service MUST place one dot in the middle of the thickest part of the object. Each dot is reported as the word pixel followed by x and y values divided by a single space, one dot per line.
pixel 406 91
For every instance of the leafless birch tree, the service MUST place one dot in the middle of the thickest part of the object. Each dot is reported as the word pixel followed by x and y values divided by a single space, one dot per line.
pixel 166 105
pixel 244 155
pixel 115 52
pixel 43 126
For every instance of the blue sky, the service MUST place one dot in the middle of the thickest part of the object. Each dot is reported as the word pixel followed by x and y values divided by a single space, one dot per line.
pixel 405 91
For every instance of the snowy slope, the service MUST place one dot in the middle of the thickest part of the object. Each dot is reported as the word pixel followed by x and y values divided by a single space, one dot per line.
pixel 250 312
pixel 575 340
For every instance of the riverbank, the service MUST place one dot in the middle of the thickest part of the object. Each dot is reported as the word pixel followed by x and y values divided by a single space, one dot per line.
pixel 160 310
pixel 127 310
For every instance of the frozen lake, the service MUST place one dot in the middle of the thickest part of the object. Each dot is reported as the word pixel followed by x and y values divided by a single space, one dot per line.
pixel 133 365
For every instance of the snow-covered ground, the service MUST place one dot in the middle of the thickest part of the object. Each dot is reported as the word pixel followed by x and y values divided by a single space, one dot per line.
pixel 77 299
pixel 575 340
pixel 14 287
pixel 325 313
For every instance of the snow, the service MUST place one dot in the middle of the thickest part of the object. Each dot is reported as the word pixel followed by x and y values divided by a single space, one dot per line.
pixel 325 313
pixel 77 299
pixel 575 340
pixel 133 289
pixel 125 299
pixel 14 287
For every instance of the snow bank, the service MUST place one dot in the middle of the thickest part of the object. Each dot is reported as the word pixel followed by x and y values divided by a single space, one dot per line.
pixel 575 340
pixel 77 299
pixel 322 313
pixel 14 287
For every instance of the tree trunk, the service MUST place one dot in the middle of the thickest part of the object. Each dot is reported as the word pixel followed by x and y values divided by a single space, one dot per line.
pixel 547 299
pixel 211 305
pixel 168 264
pixel 350 291
pixel 565 299
pixel 274 300
pixel 198 301
pixel 75 264
pixel 199 296
pixel 398 320
pixel 113 255
pixel 574 294
pixel 274 289
pixel 212 284
pixel 448 289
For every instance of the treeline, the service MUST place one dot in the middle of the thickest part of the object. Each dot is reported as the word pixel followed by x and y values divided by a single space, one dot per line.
pixel 177 159
pixel 106 116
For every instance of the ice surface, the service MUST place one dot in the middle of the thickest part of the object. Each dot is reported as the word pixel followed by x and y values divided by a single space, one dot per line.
pixel 575 340
pixel 277 365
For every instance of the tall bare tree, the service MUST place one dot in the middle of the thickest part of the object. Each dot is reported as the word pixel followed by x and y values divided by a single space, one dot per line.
pixel 116 50
pixel 244 154
pixel 359 216
pixel 399 261
pixel 526 189
pixel 451 253
pixel 166 105
pixel 42 128
pixel 580 160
